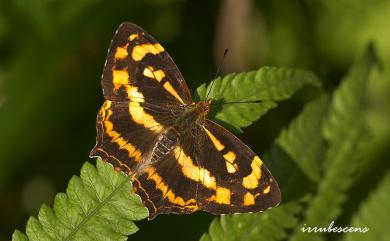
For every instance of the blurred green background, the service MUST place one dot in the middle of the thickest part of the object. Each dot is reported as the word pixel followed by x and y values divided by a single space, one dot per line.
pixel 52 54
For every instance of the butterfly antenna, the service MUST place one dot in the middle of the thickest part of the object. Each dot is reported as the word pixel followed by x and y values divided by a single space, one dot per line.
pixel 218 71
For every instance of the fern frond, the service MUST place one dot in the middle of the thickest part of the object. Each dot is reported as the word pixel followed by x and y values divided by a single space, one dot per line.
pixel 301 140
pixel 344 132
pixel 98 205
pixel 270 225
pixel 261 90
pixel 373 215
pixel 348 99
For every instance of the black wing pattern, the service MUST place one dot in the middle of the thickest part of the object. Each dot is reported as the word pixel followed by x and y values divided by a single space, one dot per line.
pixel 136 59
pixel 174 171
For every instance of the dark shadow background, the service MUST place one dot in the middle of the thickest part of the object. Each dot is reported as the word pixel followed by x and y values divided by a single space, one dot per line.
pixel 52 54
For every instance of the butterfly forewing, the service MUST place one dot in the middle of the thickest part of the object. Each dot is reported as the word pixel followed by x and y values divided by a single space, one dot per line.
pixel 143 87
pixel 149 128
pixel 135 58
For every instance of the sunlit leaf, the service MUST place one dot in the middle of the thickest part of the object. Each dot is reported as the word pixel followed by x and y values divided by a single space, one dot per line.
pixel 269 225
pixel 240 99
pixel 98 205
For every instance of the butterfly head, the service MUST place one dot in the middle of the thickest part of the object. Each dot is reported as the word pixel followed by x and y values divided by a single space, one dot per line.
pixel 203 107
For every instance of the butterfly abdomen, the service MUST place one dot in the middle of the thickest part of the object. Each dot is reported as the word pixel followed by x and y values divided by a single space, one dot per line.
pixel 166 142
pixel 191 116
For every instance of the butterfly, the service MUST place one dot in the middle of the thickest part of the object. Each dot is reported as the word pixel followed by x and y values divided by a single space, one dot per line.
pixel 178 160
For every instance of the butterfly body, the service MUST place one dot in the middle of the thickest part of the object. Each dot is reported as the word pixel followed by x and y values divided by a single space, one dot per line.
pixel 189 121
pixel 191 116
pixel 178 160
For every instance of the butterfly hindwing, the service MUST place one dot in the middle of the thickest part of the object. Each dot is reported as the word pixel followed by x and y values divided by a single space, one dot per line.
pixel 164 189
pixel 242 181
pixel 120 139
pixel 138 68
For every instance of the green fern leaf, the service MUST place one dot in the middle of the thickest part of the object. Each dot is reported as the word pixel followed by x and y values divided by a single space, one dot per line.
pixel 301 140
pixel 270 225
pixel 373 215
pixel 98 205
pixel 262 89
pixel 342 157
pixel 347 104
pixel 295 155
pixel 19 236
